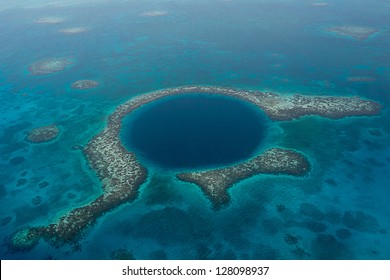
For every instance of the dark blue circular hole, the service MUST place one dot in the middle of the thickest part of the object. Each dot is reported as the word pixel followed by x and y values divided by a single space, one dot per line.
pixel 193 131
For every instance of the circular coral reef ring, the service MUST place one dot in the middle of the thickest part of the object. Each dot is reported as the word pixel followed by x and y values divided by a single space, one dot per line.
pixel 50 66
pixel 42 134
pixel 121 174
pixel 115 165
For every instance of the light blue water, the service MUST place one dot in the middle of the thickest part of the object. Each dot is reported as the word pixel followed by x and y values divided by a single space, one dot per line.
pixel 340 211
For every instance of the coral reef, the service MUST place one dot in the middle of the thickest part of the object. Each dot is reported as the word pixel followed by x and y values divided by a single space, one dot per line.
pixel 361 79
pixel 85 84
pixel 17 160
pixel 311 211
pixel 356 32
pixel 37 200
pixel 5 221
pixel 319 4
pixel 343 233
pixel 42 134
pixel 214 183
pixel 21 182
pixel 49 20
pixel 24 239
pixel 121 174
pixel 50 65
pixel 291 239
pixel 73 30
pixel 121 254
pixel 360 221
pixel 43 184
pixel 154 13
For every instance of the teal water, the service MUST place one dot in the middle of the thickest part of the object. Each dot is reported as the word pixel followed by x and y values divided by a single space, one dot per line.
pixel 340 211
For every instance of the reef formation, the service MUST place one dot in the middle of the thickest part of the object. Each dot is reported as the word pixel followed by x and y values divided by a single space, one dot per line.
pixel 73 30
pixel 362 79
pixel 42 134
pixel 319 4
pixel 49 20
pixel 215 183
pixel 121 174
pixel 85 84
pixel 50 65
pixel 154 13
pixel 356 32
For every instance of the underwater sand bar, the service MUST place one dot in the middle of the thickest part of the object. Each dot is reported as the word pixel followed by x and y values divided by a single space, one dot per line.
pixel 121 174
pixel 215 183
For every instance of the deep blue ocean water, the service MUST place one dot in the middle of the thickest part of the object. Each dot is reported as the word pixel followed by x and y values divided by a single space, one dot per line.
pixel 340 211
pixel 194 131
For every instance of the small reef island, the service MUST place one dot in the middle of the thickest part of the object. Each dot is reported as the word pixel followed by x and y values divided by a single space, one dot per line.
pixel 85 84
pixel 357 32
pixel 50 65
pixel 121 173
pixel 361 79
pixel 49 20
pixel 154 13
pixel 73 30
pixel 319 4
pixel 42 134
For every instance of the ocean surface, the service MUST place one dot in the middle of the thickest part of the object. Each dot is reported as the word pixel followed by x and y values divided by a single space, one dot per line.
pixel 339 211
pixel 194 132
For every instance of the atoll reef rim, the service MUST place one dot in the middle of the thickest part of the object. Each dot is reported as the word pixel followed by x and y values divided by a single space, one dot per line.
pixel 121 174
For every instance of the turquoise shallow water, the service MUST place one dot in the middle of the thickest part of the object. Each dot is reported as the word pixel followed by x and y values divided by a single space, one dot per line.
pixel 340 211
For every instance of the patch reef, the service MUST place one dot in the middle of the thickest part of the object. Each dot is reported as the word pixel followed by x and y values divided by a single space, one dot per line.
pixel 42 134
